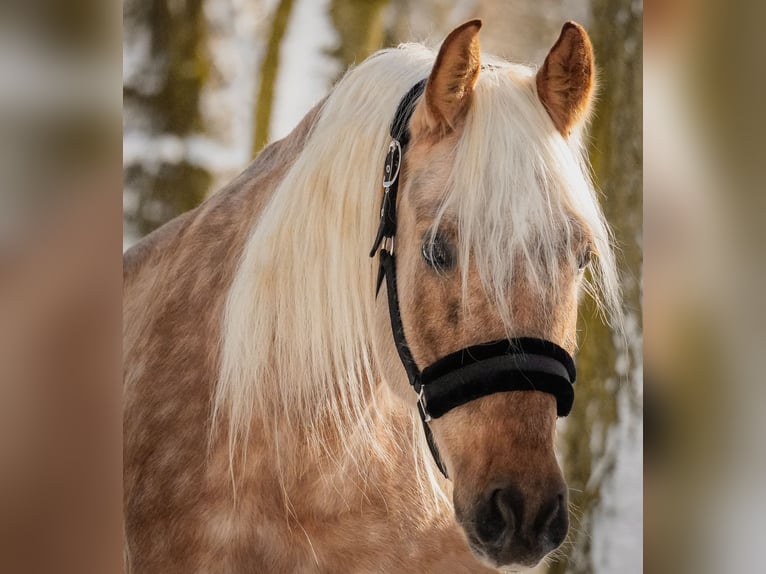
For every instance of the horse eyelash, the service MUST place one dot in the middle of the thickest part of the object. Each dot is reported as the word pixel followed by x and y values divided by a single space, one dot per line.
pixel 445 250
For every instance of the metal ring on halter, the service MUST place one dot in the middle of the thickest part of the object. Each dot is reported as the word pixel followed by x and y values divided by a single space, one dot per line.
pixel 387 240
pixel 423 406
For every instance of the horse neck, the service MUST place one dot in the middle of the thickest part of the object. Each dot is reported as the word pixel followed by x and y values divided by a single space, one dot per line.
pixel 328 443
pixel 362 463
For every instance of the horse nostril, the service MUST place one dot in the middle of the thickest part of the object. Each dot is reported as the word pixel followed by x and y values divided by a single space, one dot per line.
pixel 490 523
pixel 552 521
pixel 498 516
pixel 548 513
pixel 507 522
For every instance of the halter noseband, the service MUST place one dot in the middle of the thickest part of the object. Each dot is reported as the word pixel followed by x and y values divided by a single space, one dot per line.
pixel 519 364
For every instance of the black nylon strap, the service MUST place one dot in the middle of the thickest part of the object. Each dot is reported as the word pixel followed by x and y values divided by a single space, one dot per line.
pixel 400 128
pixel 400 136
pixel 520 346
pixel 432 444
pixel 499 375
pixel 388 269
pixel 517 364
pixel 388 265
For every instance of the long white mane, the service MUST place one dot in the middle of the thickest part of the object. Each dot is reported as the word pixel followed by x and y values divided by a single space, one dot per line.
pixel 521 194
pixel 296 349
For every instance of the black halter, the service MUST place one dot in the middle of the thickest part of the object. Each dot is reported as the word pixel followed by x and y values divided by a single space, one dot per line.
pixel 519 364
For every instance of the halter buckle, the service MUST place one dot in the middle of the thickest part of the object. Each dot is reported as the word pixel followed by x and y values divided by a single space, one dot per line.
pixel 423 406
pixel 392 164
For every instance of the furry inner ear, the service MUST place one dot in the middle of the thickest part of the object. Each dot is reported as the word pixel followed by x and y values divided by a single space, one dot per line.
pixel 565 81
pixel 450 85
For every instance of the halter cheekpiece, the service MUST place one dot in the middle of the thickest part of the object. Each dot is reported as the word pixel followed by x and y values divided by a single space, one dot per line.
pixel 519 364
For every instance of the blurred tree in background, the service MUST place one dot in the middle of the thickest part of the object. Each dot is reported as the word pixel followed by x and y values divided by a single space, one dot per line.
pixel 207 83
pixel 609 382
pixel 161 93
pixel 268 75
pixel 360 29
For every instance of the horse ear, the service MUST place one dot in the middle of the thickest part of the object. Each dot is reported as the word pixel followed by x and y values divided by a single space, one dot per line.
pixel 565 81
pixel 450 85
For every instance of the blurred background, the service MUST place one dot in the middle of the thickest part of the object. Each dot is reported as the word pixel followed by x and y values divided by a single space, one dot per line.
pixel 207 83
pixel 705 461
pixel 61 237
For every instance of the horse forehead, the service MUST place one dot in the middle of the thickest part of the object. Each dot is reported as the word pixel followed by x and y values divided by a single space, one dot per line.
pixel 429 168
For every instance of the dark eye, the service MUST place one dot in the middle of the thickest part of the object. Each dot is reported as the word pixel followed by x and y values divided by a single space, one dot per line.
pixel 438 252
pixel 583 259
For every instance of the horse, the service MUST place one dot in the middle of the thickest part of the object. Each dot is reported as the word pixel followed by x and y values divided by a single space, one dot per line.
pixel 270 424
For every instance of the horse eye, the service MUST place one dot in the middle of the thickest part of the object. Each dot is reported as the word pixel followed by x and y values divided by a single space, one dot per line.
pixel 438 253
pixel 583 260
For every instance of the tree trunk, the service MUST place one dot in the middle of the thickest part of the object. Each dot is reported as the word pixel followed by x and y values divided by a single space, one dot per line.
pixel 602 438
pixel 268 75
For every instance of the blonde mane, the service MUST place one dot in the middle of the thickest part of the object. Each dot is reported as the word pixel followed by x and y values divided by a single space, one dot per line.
pixel 300 311
pixel 301 304
pixel 518 190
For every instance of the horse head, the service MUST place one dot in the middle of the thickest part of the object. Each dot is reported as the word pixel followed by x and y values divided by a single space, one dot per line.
pixel 494 226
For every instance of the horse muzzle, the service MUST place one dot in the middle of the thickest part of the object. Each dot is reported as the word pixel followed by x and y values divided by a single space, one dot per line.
pixel 508 526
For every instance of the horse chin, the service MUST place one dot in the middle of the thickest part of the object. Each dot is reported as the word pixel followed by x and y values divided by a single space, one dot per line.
pixel 515 568
pixel 502 556
pixel 500 561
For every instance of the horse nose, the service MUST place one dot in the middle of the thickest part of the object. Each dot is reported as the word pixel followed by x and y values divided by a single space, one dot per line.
pixel 514 526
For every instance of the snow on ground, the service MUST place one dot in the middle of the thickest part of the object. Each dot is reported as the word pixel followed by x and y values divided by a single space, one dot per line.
pixel 617 526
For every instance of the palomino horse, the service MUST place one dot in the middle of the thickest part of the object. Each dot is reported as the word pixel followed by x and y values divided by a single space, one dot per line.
pixel 269 425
